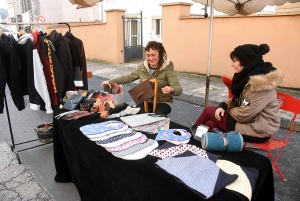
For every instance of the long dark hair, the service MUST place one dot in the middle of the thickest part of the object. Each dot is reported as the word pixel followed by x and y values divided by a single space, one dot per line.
pixel 161 52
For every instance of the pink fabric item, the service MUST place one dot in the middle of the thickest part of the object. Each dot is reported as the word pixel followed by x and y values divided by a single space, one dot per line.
pixel 128 144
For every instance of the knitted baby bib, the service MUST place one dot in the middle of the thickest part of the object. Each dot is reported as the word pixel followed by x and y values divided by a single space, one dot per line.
pixel 169 135
pixel 98 128
pixel 128 144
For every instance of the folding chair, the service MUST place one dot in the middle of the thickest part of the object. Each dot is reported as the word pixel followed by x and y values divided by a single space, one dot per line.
pixel 290 104
pixel 146 106
pixel 227 81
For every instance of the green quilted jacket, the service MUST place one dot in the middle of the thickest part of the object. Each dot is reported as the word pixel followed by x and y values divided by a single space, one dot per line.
pixel 166 77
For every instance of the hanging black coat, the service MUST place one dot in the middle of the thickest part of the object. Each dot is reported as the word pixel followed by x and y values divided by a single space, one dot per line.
pixel 64 55
pixel 11 70
pixel 79 61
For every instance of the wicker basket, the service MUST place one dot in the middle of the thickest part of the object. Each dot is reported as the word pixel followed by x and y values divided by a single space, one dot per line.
pixel 45 133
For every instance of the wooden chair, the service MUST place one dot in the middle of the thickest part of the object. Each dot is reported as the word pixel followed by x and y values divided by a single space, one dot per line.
pixel 146 106
pixel 290 104
pixel 227 81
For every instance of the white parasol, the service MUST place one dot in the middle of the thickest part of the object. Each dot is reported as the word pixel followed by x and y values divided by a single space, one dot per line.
pixel 84 2
pixel 233 7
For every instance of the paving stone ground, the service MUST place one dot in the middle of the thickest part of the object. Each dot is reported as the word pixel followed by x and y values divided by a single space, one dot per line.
pixel 17 183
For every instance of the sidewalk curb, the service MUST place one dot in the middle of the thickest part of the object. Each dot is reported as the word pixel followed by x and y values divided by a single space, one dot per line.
pixel 200 100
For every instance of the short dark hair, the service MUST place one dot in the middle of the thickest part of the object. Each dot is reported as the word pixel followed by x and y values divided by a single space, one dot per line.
pixel 233 57
pixel 161 51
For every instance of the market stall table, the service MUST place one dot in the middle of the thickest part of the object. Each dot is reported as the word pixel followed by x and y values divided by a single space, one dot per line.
pixel 98 175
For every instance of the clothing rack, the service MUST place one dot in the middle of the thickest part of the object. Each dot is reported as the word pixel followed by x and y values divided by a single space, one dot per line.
pixel 13 146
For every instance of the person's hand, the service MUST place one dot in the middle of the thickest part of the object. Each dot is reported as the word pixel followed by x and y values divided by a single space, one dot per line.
pixel 219 113
pixel 104 83
pixel 167 90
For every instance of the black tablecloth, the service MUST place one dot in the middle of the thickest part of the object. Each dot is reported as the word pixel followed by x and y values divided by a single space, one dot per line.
pixel 98 175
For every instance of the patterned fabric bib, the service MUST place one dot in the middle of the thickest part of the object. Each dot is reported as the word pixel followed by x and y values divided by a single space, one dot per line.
pixel 128 144
pixel 169 135
pixel 176 150
pixel 104 137
pixel 118 140
pixel 142 153
pixel 101 128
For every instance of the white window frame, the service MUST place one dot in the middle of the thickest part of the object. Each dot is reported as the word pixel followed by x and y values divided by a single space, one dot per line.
pixel 155 20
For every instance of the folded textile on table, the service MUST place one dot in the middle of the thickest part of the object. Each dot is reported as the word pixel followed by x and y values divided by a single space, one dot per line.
pixel 219 141
pixel 168 150
pixel 128 111
pixel 198 173
pixel 154 127
pixel 141 119
pixel 245 183
pixel 76 115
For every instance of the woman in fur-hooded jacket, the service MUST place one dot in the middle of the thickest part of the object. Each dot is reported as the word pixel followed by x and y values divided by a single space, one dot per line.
pixel 253 110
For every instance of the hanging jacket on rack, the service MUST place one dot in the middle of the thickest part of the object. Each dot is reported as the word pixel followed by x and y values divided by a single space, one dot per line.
pixel 64 55
pixel 79 61
pixel 11 71
pixel 32 69
pixel 49 74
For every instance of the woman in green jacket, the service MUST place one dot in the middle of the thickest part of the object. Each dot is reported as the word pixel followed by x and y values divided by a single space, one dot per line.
pixel 158 66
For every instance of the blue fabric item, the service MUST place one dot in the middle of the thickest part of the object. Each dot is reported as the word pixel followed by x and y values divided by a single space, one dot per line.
pixel 107 126
pixel 219 141
pixel 169 135
pixel 197 173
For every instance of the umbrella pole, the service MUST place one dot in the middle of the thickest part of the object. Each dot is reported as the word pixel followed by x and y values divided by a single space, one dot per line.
pixel 209 52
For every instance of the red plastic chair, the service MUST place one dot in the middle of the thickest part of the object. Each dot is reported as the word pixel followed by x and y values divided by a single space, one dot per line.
pixel 290 104
pixel 227 81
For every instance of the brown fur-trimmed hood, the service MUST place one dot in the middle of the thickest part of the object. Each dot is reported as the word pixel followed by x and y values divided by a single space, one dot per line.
pixel 266 82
